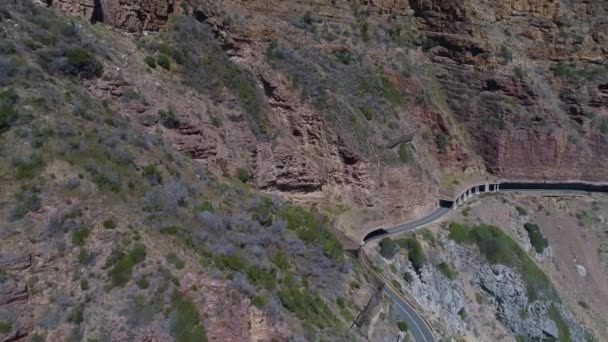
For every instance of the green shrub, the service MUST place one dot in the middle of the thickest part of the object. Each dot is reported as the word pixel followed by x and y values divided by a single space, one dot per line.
pixel 537 239
pixel 83 63
pixel 463 314
pixel 308 306
pixel 345 57
pixel 441 140
pixel 259 301
pixel 389 91
pixel 150 61
pixel 521 211
pixel 602 126
pixel 562 326
pixel 264 212
pixel 84 284
pixel 499 248
pixel 170 230
pixel 307 17
pixel 447 270
pixel 233 262
pixel 5 327
pixel 123 264
pixel 77 315
pixel 368 112
pixel 402 326
pixel 281 261
pixel 8 113
pixel 271 50
pixel 152 175
pixel 164 61
pixel 85 257
pixel 26 200
pixel 405 154
pixel 414 252
pixel 109 223
pixel 388 248
pixel 80 235
pixel 505 53
pixel 341 302
pixel 187 326
pixel 572 72
pixel 168 118
pixel 519 72
pixel 311 230
pixel 38 338
pixel 165 49
pixel 428 236
pixel 408 277
pixel 173 259
pixel 29 167
pixel 262 277
pixel 206 206
pixel 143 283
pixel 243 175
pixel 458 233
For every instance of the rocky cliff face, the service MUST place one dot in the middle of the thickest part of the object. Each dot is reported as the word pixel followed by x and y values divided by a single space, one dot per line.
pixel 132 16
pixel 517 89
pixel 525 78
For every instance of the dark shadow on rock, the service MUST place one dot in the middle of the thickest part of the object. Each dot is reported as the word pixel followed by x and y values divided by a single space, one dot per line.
pixel 97 16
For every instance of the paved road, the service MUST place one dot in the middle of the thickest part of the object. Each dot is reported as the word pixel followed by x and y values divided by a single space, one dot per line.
pixel 416 325
pixel 432 217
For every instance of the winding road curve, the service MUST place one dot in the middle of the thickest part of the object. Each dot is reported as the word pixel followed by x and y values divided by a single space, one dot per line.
pixel 418 325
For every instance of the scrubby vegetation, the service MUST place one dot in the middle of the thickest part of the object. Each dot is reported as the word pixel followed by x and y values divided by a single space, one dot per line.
pixel 402 326
pixel 206 67
pixel 498 248
pixel 187 326
pixel 363 100
pixel 537 239
pixel 415 252
pixel 388 248
pixel 574 72
pixel 447 270
pixel 562 327
pixel 122 263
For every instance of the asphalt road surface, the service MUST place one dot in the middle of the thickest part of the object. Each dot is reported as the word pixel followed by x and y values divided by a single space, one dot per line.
pixel 416 325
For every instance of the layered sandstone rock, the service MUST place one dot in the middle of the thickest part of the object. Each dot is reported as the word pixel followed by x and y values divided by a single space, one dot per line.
pixel 130 15
pixel 491 104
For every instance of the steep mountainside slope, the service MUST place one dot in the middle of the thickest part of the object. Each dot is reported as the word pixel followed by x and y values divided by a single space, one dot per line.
pixel 375 104
pixel 107 233
pixel 151 153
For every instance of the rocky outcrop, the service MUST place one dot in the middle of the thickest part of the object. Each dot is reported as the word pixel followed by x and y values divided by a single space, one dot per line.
pixel 130 15
pixel 478 88
pixel 15 313
pixel 521 123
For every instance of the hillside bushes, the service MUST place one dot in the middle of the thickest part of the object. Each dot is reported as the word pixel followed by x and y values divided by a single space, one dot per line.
pixel 499 248
pixel 415 253
pixel 537 239
pixel 388 248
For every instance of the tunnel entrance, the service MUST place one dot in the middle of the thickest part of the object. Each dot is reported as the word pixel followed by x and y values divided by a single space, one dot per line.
pixel 446 203
pixel 375 233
